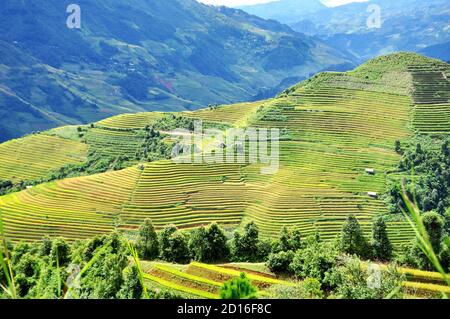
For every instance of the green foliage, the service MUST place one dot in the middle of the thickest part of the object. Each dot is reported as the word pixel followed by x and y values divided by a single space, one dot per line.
pixel 103 278
pixel 434 225
pixel 352 238
pixel 398 147
pixel 309 288
pixel 381 245
pixel 413 254
pixel 5 186
pixel 153 147
pixel 244 247
pixel 60 253
pixel 208 245
pixel 173 245
pixel 131 286
pixel 238 288
pixel 280 262
pixel 45 246
pixel 288 240
pixel 429 159
pixel 353 281
pixel 172 122
pixel 316 260
pixel 147 244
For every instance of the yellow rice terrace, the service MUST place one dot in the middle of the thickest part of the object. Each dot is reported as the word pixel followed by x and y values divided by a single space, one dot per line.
pixel 339 187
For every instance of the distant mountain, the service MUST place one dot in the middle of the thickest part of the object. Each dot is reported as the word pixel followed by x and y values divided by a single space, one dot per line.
pixel 286 11
pixel 407 25
pixel 438 51
pixel 140 55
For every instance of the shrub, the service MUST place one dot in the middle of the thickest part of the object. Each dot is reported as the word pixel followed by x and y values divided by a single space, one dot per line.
pixel 315 261
pixel 131 287
pixel 352 281
pixel 238 288
pixel 280 262
pixel 308 289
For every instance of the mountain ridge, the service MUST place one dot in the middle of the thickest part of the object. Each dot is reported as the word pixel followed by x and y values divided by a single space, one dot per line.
pixel 136 56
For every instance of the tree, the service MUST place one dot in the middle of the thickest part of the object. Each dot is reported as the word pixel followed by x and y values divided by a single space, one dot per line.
pixel 218 248
pixel 280 262
pixel 288 240
pixel 60 252
pixel 238 288
pixel 284 240
pixel 209 244
pixel 434 225
pixel 173 245
pixel 414 255
pixel 198 246
pixel 382 248
pixel 447 220
pixel 104 278
pixel 46 246
pixel 147 244
pixel 244 247
pixel 352 238
pixel 316 260
pixel 131 287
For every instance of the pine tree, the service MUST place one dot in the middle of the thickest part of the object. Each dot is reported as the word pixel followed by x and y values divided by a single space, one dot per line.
pixel 238 288
pixel 382 247
pixel 147 244
pixel 352 238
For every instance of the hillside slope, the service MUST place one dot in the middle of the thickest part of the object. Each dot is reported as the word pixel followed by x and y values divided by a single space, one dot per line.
pixel 335 126
pixel 136 55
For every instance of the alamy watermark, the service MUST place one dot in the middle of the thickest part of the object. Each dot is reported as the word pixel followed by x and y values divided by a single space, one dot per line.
pixel 374 20
pixel 231 146
pixel 74 19
pixel 374 276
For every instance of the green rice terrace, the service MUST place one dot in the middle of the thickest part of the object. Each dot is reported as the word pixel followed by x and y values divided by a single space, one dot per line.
pixel 336 153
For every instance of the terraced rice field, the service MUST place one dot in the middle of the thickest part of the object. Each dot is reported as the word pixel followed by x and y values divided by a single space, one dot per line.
pixel 114 142
pixel 336 134
pixel 130 121
pixel 35 156
pixel 335 131
pixel 432 99
pixel 74 208
pixel 237 114
pixel 186 195
pixel 202 281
